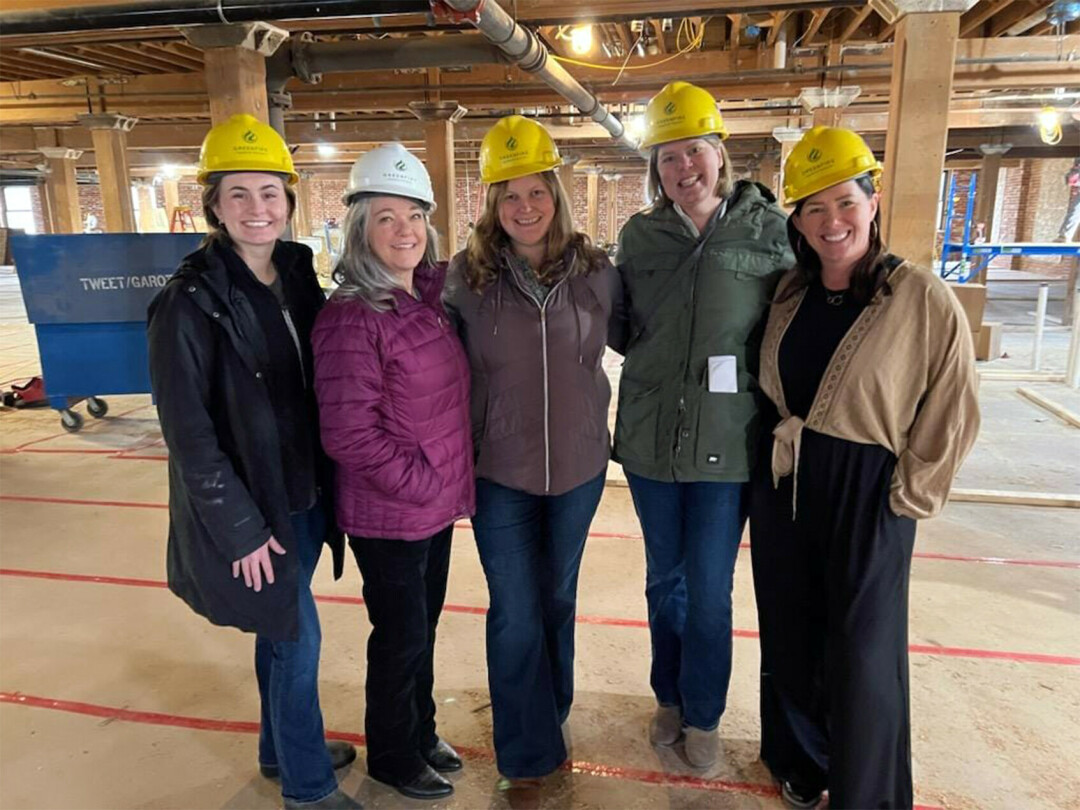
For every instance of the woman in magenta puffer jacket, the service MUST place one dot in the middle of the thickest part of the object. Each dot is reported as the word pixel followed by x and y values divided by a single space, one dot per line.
pixel 392 382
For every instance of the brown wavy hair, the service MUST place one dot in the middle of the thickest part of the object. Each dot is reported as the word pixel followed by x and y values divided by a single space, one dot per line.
pixel 488 239
pixel 868 275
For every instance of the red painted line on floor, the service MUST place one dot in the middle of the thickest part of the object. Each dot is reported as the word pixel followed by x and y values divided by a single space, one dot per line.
pixel 606 621
pixel 462 524
pixel 584 768
pixel 81 502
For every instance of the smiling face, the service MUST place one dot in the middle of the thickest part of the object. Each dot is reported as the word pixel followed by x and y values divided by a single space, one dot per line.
pixel 526 210
pixel 397 233
pixel 252 207
pixel 689 171
pixel 836 224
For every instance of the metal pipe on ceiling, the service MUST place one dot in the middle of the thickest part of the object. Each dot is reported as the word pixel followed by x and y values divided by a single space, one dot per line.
pixel 148 14
pixel 528 53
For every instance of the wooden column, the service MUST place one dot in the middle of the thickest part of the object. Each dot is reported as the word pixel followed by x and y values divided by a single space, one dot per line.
pixel 171 190
pixel 566 175
pixel 109 134
pixel 438 118
pixel 235 66
pixel 986 192
pixel 302 217
pixel 923 57
pixel 592 206
pixel 613 208
pixel 788 137
pixel 765 173
pixel 61 198
pixel 147 206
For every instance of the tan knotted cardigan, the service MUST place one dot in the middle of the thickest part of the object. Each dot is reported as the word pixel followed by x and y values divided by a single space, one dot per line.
pixel 903 377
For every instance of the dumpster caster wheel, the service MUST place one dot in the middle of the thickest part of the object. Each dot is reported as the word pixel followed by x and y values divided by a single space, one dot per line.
pixel 97 408
pixel 71 421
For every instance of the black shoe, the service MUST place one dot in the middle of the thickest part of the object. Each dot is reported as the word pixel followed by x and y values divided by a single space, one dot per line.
pixel 425 785
pixel 335 801
pixel 443 758
pixel 799 796
pixel 341 754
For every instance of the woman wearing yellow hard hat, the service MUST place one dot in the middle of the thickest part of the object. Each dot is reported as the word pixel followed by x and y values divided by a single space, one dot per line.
pixel 869 364
pixel 533 300
pixel 230 367
pixel 699 267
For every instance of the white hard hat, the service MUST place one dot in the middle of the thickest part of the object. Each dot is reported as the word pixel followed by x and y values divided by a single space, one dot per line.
pixel 390 169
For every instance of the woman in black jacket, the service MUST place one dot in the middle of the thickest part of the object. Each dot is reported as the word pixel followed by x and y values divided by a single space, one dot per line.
pixel 249 510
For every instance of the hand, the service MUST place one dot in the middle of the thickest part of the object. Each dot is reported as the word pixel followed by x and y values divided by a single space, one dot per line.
pixel 258 565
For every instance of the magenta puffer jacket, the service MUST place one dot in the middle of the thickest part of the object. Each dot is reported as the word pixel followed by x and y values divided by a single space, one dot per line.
pixel 393 391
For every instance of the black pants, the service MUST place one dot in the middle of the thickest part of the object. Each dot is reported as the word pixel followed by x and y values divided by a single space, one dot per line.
pixel 832 595
pixel 404 590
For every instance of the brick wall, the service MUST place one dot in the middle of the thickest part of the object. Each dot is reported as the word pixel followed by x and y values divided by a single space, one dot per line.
pixel 37 198
pixel 1040 207
pixel 90 203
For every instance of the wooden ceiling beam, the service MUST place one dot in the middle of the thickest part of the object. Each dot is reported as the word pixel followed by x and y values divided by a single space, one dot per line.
pixel 1018 13
pixel 816 22
pixel 736 31
pixel 776 23
pixel 658 33
pixel 972 19
pixel 856 23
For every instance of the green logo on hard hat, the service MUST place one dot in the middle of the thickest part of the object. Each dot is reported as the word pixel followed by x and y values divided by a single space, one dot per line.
pixel 250 137
pixel 400 166
pixel 511 142
pixel 669 108
pixel 814 155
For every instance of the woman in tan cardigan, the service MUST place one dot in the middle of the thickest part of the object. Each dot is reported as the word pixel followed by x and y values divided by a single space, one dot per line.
pixel 868 362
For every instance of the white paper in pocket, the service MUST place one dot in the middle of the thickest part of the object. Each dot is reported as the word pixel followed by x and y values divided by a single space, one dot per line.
pixel 723 374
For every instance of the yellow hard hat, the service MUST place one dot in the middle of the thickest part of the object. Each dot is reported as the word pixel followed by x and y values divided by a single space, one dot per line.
pixel 244 144
pixel 681 110
pixel 823 157
pixel 515 147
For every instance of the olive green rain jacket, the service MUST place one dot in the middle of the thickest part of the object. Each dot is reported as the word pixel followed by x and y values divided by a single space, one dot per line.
pixel 691 299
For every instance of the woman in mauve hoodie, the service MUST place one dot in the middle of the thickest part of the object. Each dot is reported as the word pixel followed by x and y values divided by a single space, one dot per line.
pixel 533 300
pixel 392 382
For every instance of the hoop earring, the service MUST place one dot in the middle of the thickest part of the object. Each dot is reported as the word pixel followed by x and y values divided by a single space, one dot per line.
pixel 875 232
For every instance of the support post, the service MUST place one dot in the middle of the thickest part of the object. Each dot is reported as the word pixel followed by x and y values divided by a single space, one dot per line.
pixel 787 137
pixel 592 205
pixel 302 216
pixel 109 133
pixel 989 175
pixel 61 193
pixel 924 54
pixel 1040 324
pixel 566 175
pixel 438 119
pixel 235 66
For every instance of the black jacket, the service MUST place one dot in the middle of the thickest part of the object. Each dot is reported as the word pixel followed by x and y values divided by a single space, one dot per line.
pixel 208 360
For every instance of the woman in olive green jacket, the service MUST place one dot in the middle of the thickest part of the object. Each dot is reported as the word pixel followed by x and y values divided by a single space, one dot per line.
pixel 699 268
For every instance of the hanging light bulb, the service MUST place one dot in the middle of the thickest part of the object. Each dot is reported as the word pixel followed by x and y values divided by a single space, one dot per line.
pixel 1049 126
pixel 581 39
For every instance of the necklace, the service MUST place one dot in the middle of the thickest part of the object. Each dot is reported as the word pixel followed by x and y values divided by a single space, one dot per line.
pixel 835 299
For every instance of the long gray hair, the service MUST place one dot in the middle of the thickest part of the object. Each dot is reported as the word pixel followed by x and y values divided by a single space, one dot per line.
pixel 359 273
pixel 724 183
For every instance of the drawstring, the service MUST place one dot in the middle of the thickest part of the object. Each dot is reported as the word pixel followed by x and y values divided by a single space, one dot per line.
pixel 787 441
pixel 577 323
pixel 498 302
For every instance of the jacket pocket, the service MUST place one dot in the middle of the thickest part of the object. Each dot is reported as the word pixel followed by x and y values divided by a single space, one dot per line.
pixel 726 433
pixel 636 420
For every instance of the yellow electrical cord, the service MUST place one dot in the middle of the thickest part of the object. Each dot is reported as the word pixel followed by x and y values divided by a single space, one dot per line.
pixel 693 43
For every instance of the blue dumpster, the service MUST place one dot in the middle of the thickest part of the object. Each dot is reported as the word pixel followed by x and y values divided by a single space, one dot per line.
pixel 86 296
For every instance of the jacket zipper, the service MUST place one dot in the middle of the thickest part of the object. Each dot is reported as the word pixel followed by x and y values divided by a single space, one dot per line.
pixel 544 358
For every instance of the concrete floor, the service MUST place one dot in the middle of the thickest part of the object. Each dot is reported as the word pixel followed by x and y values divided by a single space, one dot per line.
pixel 114 695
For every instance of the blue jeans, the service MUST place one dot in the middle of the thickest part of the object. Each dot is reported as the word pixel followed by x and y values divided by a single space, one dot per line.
pixel 291 734
pixel 531 547
pixel 692 533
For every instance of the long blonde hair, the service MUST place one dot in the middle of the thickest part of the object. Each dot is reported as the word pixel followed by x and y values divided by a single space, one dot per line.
pixel 488 239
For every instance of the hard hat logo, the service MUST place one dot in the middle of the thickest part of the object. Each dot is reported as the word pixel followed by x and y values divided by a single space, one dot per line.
pixel 390 169
pixel 516 147
pixel 400 166
pixel 250 137
pixel 814 156
pixel 680 111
